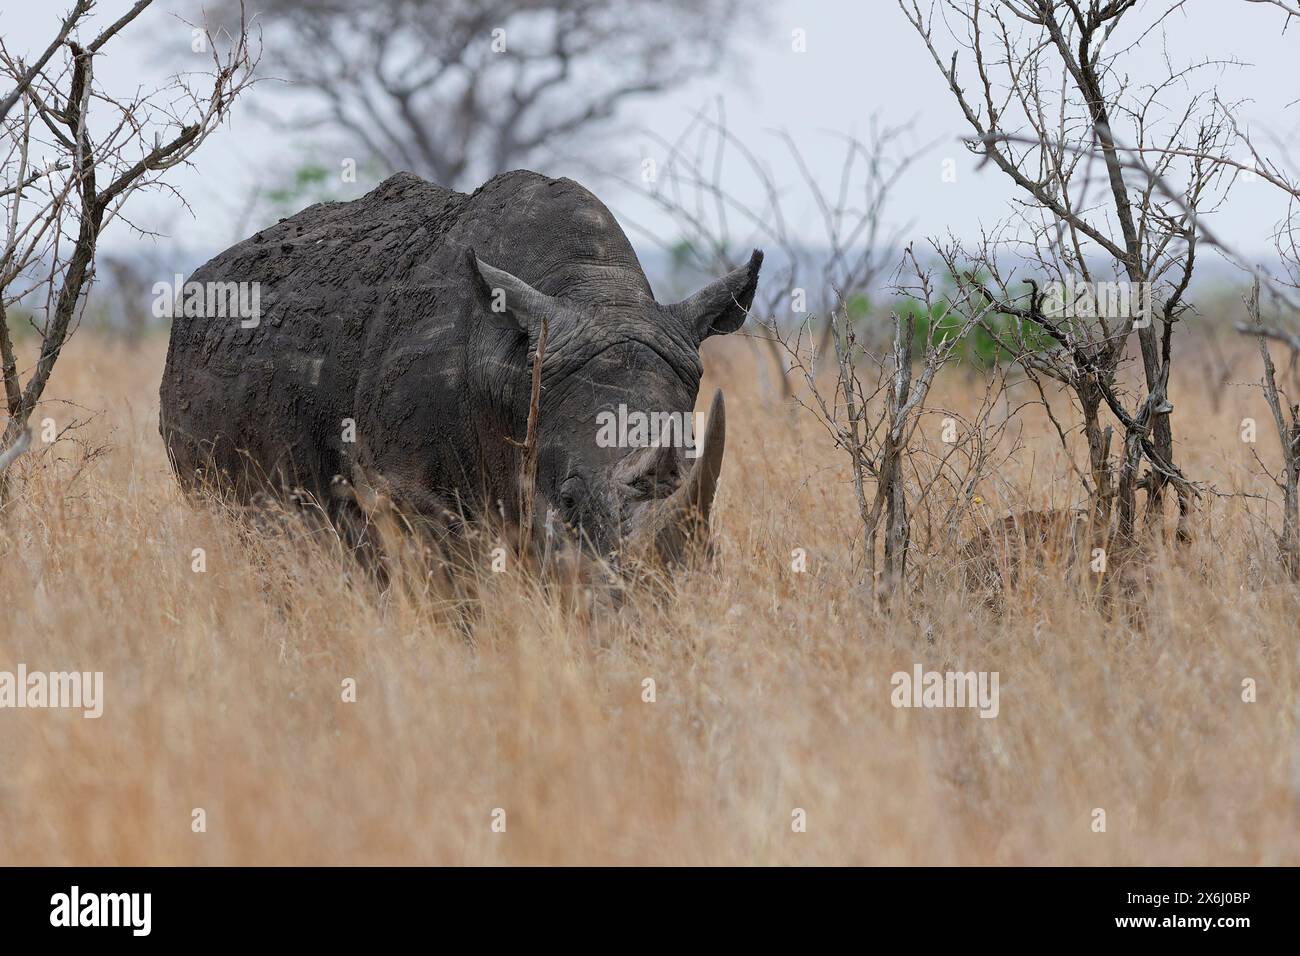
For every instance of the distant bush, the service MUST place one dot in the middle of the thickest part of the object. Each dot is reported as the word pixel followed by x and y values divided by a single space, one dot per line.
pixel 980 345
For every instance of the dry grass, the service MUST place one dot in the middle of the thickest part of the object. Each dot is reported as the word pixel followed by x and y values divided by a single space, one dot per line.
pixel 223 688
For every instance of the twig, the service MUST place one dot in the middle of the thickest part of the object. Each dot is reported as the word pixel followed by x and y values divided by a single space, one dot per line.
pixel 528 458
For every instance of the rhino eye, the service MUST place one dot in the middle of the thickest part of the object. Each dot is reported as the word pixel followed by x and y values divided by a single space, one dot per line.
pixel 570 493
pixel 650 486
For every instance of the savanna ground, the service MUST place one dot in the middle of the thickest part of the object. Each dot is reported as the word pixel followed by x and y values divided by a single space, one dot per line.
pixel 223 688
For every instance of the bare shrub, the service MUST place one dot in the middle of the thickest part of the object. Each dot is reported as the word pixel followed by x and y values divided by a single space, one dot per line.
pixel 72 156
pixel 873 410
pixel 1051 107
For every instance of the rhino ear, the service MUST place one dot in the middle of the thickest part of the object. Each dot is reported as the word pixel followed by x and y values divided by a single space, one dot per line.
pixel 509 300
pixel 721 306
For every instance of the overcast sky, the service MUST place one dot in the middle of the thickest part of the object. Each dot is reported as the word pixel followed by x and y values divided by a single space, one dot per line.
pixel 862 58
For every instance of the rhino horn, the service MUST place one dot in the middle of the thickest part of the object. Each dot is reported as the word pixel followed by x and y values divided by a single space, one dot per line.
pixel 683 517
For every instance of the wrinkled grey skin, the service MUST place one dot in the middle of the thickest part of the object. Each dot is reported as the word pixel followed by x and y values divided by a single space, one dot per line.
pixel 380 310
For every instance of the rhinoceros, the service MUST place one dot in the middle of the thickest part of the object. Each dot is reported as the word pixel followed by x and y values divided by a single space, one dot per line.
pixel 393 345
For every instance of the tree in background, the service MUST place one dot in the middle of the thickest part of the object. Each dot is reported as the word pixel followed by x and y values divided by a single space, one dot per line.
pixel 459 90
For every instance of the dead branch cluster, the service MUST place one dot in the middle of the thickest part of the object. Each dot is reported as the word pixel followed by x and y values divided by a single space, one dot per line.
pixel 72 154
pixel 714 228
pixel 1114 180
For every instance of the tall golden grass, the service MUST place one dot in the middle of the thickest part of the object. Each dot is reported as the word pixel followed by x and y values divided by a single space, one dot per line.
pixel 223 689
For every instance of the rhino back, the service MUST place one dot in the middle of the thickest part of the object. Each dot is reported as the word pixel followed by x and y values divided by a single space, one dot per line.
pixel 267 402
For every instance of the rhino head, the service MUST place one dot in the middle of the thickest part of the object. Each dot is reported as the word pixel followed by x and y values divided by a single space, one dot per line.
pixel 619 460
